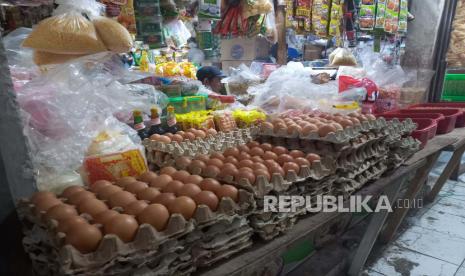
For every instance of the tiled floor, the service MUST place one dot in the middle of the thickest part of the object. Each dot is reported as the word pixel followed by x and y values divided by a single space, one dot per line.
pixel 434 243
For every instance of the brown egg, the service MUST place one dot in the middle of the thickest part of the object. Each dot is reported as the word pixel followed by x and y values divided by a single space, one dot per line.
pixel 154 137
pixel 173 186
pixel 276 169
pixel 123 226
pixel 60 212
pixel 257 151
pixel 156 215
pixel 161 181
pixel 135 187
pixel 280 150
pixel 259 166
pixel 189 190
pixel 209 184
pixel 325 130
pixel 227 191
pixel 194 179
pixel 183 162
pixel 266 126
pixel 217 155
pixel 92 206
pixel 243 148
pixel 148 194
pixel 302 161
pixel 246 163
pixel 215 162
pixel 189 136
pixel 164 139
pixel 121 199
pixel 294 129
pixel 183 205
pixel 263 172
pixel 257 159
pixel 40 196
pixel 212 170
pixel 45 203
pixel 65 224
pixel 253 144
pixel 202 157
pixel 164 199
pixel 370 117
pixel 168 134
pixel 269 155
pixel 310 128
pixel 106 192
pixel 243 174
pixel 231 152
pixel 346 123
pixel 296 153
pixel 271 163
pixel 168 170
pixel 337 126
pixel 147 177
pixel 122 182
pixel 98 185
pixel 354 120
pixel 103 217
pixel 84 237
pixel 181 175
pixel 266 147
pixel 71 190
pixel 311 157
pixel 211 131
pixel 197 164
pixel 207 198
pixel 229 170
pixel 291 166
pixel 201 134
pixel 135 208
pixel 177 138
pixel 283 158
pixel 181 132
pixel 77 198
pixel 243 156
pixel 231 160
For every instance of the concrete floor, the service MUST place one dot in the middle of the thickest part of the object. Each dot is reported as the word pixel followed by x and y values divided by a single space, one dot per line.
pixel 433 242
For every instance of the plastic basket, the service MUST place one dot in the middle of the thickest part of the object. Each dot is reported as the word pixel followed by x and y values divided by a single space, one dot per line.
pixel 426 129
pixel 445 126
pixel 454 88
pixel 436 117
pixel 460 119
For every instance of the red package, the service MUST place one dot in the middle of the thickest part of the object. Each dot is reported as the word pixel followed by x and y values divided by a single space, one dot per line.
pixel 347 83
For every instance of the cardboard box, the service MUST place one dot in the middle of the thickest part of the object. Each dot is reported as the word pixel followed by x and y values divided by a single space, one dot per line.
pixel 312 52
pixel 227 64
pixel 244 48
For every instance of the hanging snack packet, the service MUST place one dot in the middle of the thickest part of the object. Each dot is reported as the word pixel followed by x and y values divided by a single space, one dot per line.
pixel 320 17
pixel 336 17
pixel 403 15
pixel 391 20
pixel 290 20
pixel 123 12
pixel 367 17
pixel 210 9
pixel 303 13
pixel 380 14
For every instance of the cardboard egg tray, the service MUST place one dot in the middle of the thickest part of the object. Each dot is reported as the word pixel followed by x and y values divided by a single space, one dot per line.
pixel 219 142
pixel 347 186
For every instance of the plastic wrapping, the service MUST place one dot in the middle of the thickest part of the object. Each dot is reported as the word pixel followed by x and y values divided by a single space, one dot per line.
pixel 342 56
pixel 240 80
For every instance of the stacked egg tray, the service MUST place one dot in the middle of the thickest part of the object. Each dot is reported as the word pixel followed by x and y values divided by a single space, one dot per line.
pixel 170 252
pixel 212 143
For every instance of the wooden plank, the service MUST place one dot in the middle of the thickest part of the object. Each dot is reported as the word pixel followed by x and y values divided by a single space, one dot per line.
pixel 459 134
pixel 458 171
pixel 281 29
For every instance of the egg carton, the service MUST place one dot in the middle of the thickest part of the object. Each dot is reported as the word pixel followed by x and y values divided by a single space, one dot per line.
pixel 218 142
pixel 362 168
pixel 355 160
pixel 352 184
pixel 268 231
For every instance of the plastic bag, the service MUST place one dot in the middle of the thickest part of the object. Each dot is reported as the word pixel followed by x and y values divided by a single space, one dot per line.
pixel 342 56
pixel 178 32
pixel 347 83
pixel 115 37
pixel 45 58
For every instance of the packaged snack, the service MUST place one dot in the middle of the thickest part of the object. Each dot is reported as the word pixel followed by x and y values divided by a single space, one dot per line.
pixel 380 14
pixel 290 22
pixel 367 16
pixel 336 17
pixel 391 21
pixel 123 12
pixel 248 118
pixel 149 23
pixel 224 121
pixel 320 17
pixel 210 9
pixel 403 15
pixel 303 13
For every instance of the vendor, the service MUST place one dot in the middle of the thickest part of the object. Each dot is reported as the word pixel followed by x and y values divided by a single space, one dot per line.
pixel 211 77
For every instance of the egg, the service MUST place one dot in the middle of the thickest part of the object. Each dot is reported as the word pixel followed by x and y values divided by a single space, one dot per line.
pixel 121 199
pixel 183 205
pixel 202 157
pixel 215 162
pixel 181 133
pixel 266 126
pixel 243 174
pixel 253 144
pixel 209 184
pixel 168 134
pixel 165 199
pixel 45 203
pixel 194 179
pixel 60 212
pixel 337 126
pixel 177 138
pixel 311 157
pixel 207 198
pixel 183 162
pixel 271 163
pixel 173 186
pixel 302 161
pixel 245 163
pixel 227 191
pixel 154 137
pixel 266 147
pixel 324 130
pixel 122 182
pixel 294 129
pixel 291 166
pixel 40 196
pixel 98 185
pixel 346 123
pixel 211 170
pixel 65 224
pixel 105 192
pixel 197 164
pixel 201 134
pixel 280 150
pixel 135 187
pixel 84 237
pixel 227 171
pixel 296 154
pixel 189 136
pixel 103 217
pixel 148 194
pixel 269 155
pixel 168 170
pixel 243 156
pixel 257 159
pixel 189 190
pixel 257 151
pixel 71 190
pixel 217 155
pixel 354 120
pixel 370 117
pixel 135 208
pixel 164 139
pixel 243 148
pixel 211 131
pixel 78 197
pixel 259 166
pixel 263 172
pixel 231 152
pixel 276 169
pixel 232 160
pixel 156 215
pixel 92 206
pixel 161 181
pixel 123 226
pixel 283 158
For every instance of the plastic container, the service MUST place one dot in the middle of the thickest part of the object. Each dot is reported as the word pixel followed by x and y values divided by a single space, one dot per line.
pixel 196 103
pixel 172 90
pixel 454 88
pixel 179 104
pixel 460 119
pixel 436 117
pixel 445 126
pixel 426 129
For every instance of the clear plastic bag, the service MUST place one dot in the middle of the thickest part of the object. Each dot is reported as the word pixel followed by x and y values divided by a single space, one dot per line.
pixel 342 56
